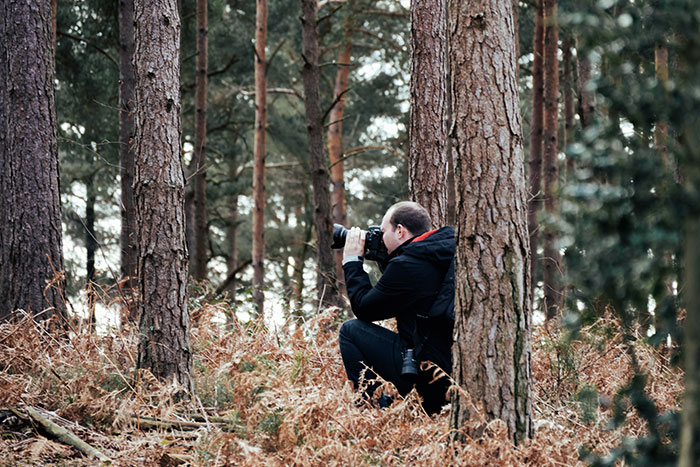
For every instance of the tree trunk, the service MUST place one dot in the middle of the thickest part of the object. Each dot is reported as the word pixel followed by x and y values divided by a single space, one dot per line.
pixel 690 432
pixel 586 104
pixel 127 239
pixel 31 250
pixel 535 163
pixel 568 86
pixel 259 150
pixel 320 179
pixel 491 354
pixel 90 239
pixel 551 261
pixel 201 230
pixel 159 185
pixel 335 149
pixel 427 178
pixel 661 128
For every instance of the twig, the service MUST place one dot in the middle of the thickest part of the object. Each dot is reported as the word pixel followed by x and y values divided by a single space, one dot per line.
pixel 65 436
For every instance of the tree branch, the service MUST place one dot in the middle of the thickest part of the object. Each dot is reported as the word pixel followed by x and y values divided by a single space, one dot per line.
pixel 89 44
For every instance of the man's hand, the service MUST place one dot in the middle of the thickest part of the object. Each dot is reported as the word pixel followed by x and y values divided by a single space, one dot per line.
pixel 354 243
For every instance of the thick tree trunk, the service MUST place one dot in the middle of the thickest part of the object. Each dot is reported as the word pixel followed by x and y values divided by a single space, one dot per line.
pixel 690 431
pixel 427 176
pixel 259 150
pixel 491 354
pixel 551 261
pixel 568 86
pixel 201 230
pixel 30 212
pixel 335 149
pixel 127 239
pixel 159 193
pixel 320 178
pixel 535 163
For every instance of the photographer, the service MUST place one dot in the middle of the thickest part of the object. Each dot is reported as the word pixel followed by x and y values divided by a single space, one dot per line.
pixel 416 288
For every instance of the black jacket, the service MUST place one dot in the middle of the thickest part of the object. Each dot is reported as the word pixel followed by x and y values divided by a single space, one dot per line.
pixel 408 287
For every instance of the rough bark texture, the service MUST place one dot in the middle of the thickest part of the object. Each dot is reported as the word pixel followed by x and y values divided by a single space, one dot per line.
pixel 201 230
pixel 259 150
pixel 690 431
pixel 535 162
pixel 127 238
pixel 492 303
pixel 335 149
pixel 427 175
pixel 551 261
pixel 568 88
pixel 320 178
pixel 159 193
pixel 30 213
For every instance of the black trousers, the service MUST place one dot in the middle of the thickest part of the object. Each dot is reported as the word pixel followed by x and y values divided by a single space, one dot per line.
pixel 364 345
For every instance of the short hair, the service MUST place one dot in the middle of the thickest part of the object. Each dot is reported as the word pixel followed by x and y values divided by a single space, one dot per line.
pixel 411 215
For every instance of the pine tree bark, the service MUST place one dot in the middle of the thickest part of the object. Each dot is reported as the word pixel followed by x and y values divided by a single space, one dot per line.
pixel 327 291
pixel 159 187
pixel 661 128
pixel 427 177
pixel 201 229
pixel 127 239
pixel 551 261
pixel 491 354
pixel 31 253
pixel 335 149
pixel 535 162
pixel 259 156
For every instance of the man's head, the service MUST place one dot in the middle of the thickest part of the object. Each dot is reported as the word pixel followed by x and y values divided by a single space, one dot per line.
pixel 403 221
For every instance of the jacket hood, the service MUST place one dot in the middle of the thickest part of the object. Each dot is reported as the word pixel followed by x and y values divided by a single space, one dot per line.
pixel 436 246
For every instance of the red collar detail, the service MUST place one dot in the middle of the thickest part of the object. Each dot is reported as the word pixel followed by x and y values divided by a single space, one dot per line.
pixel 424 236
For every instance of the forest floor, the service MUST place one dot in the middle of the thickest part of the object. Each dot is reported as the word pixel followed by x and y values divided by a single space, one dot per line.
pixel 265 398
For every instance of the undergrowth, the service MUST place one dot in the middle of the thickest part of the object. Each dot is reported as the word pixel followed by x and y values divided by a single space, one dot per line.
pixel 274 398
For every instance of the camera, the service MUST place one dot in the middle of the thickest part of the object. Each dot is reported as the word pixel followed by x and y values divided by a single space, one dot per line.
pixel 375 249
pixel 409 368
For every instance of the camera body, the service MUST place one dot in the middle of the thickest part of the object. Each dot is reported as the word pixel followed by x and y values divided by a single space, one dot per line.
pixel 375 249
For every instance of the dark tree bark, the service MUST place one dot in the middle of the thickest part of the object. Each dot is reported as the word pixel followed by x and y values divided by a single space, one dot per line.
pixel 535 162
pixel 427 177
pixel 259 150
pixel 325 279
pixel 492 329
pixel 551 261
pixel 127 239
pixel 201 230
pixel 661 128
pixel 159 193
pixel 90 239
pixel 31 253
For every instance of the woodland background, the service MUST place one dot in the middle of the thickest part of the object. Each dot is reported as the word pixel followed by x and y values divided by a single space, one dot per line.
pixel 608 94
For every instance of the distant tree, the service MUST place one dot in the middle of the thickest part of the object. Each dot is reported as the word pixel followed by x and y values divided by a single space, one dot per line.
pixel 30 214
pixel 427 143
pixel 164 347
pixel 491 354
pixel 325 277
pixel 568 92
pixel 534 204
pixel 551 261
pixel 259 155
pixel 201 229
pixel 126 152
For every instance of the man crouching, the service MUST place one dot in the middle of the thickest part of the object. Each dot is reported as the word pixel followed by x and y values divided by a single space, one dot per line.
pixel 416 288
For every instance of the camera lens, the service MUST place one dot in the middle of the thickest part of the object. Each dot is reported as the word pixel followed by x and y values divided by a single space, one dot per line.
pixel 340 233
